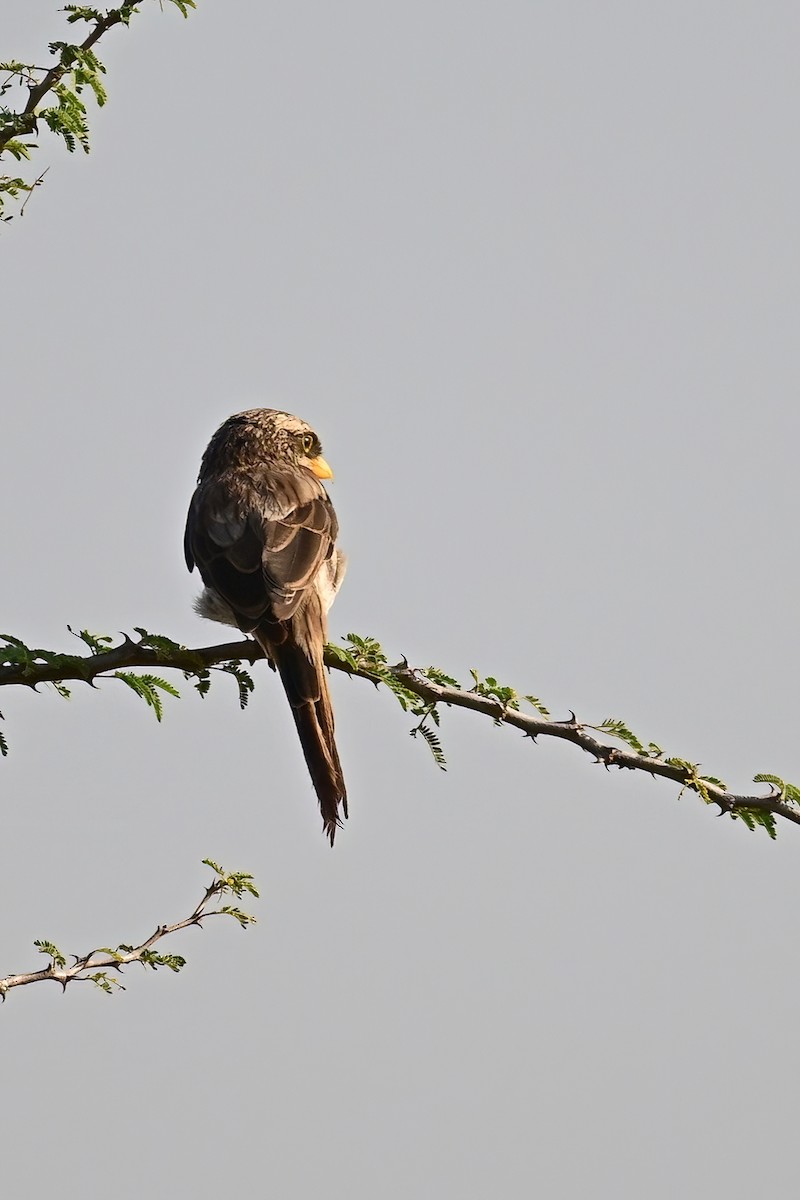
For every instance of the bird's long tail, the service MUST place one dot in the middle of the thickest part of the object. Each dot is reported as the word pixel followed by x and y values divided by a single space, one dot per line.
pixel 298 659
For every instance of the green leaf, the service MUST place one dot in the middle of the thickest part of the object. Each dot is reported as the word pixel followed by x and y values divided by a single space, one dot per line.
pixel 439 677
pixel 788 792
pixel 148 687
pixel 98 643
pixel 105 982
pixel 492 690
pixel 244 919
pixel 236 882
pixel 17 149
pixel 714 781
pixel 154 960
pixel 694 781
pixel 244 680
pixel 203 684
pixel 620 730
pixel 406 699
pixel 164 647
pixel 683 764
pixel 341 655
pixel 433 744
pixel 118 954
pixel 81 12
pixel 367 652
pixel 755 817
pixel 52 950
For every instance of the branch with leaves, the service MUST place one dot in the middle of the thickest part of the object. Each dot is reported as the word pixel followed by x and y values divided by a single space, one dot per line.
pixel 76 67
pixel 104 966
pixel 422 693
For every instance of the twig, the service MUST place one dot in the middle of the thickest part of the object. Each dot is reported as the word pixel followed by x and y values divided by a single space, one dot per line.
pixel 36 183
pixel 94 966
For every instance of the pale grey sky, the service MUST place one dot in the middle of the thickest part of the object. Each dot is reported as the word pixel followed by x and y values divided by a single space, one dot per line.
pixel 531 269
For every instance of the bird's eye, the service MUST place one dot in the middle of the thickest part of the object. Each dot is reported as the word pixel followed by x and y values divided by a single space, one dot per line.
pixel 308 442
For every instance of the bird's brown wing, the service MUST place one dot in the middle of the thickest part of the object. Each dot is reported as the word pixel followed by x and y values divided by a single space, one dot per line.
pixel 259 541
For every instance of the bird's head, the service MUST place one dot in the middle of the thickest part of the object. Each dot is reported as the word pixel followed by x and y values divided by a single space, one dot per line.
pixel 266 435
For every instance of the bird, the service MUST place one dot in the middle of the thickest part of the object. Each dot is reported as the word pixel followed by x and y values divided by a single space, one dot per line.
pixel 262 531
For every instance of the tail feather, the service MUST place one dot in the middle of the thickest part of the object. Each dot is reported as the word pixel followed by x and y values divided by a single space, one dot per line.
pixel 306 686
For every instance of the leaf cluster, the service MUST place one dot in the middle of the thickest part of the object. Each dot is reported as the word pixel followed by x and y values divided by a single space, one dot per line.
pixel 365 656
pixel 76 68
pixel 506 697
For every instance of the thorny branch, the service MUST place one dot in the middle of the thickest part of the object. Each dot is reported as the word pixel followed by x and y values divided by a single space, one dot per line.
pixel 579 734
pixel 583 735
pixel 94 966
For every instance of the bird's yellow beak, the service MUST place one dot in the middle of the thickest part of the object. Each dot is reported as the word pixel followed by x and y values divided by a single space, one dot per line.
pixel 320 467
